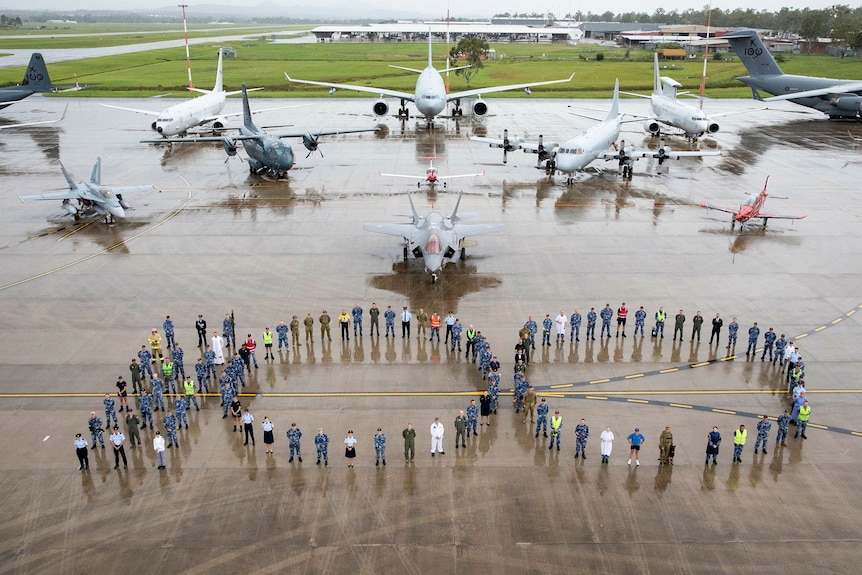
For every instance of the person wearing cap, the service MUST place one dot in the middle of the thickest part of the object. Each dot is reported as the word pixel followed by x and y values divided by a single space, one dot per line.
pixel 556 430
pixel 472 418
pixel 281 331
pixel 582 433
pixel 764 426
pixel 379 447
pixel 437 431
pixel 117 441
pixel 248 426
pixel 82 452
pixel 94 424
pixel 294 331
pixel 168 326
pixel 421 321
pixel 665 441
pixel 308 322
pixel 460 428
pixel 177 355
pixel 350 448
pixel 294 434
pixel 533 328
pixel 201 327
pixel 268 435
pixel 155 341
pixel 409 435
pixel 449 320
pixel 356 313
pixel 713 440
pixel 109 411
pixel 170 423
pixel 181 409
pixel 542 417
pixel 144 356
pixel 374 315
pixel 145 400
pixel 406 316
pixel 159 448
pixel 321 442
pixel 324 321
pixel 635 440
pixel 133 424
pixel 783 427
pixel 227 330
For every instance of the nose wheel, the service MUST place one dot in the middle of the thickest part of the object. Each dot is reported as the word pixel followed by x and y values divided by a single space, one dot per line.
pixel 433 278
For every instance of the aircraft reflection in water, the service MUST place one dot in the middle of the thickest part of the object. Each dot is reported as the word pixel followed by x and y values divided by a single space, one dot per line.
pixel 462 279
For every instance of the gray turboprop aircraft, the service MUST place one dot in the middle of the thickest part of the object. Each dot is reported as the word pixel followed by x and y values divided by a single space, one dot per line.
pixel 36 79
pixel 430 96
pixel 91 197
pixel 267 154
pixel 434 238
pixel 840 99
pixel 597 142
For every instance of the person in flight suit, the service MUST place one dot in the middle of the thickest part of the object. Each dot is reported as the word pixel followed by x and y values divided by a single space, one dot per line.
pixel 374 315
pixel 696 323
pixel 678 324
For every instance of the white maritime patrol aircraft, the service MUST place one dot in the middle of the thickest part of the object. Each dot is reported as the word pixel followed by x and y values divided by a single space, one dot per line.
pixel 435 238
pixel 430 96
pixel 91 196
pixel 597 142
pixel 177 120
pixel 432 176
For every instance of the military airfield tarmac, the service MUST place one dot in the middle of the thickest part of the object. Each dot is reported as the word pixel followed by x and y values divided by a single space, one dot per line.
pixel 79 299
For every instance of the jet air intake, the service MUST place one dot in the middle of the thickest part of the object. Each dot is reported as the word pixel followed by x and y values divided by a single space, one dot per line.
pixel 480 108
pixel 381 108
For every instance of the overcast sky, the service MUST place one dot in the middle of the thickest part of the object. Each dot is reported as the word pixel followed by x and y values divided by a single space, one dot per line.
pixel 477 8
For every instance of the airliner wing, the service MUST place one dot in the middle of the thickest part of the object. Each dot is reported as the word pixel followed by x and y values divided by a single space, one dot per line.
pixel 401 230
pixel 470 230
pixel 368 89
pixel 136 110
pixel 719 208
pixel 835 89
pixel 492 89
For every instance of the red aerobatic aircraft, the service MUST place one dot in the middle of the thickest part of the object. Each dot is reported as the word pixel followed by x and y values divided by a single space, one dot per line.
pixel 431 177
pixel 750 209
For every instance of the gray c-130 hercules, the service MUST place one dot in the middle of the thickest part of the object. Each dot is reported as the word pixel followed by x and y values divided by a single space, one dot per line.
pixel 840 99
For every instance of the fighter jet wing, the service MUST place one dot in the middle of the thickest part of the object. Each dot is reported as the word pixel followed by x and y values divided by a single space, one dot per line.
pixel 67 195
pixel 835 89
pixel 405 231
pixel 719 208
pixel 765 217
pixel 460 176
pixel 368 89
pixel 402 176
pixel 492 89
pixel 470 230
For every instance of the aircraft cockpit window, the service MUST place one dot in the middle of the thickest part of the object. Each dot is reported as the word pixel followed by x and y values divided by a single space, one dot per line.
pixel 107 193
pixel 579 151
pixel 752 199
pixel 433 245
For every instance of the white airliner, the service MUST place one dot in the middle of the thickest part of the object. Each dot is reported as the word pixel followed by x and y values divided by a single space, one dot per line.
pixel 430 97
pixel 178 119
pixel 596 142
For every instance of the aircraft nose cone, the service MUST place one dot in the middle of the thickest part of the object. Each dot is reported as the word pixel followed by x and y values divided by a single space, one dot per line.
pixel 434 262
pixel 117 211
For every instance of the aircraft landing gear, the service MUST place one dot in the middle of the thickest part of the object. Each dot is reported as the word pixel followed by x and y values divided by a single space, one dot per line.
pixel 627 172
pixel 463 254
pixel 404 113
pixel 405 253
pixel 433 278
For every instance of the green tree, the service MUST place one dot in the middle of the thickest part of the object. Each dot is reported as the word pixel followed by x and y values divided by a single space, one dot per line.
pixel 814 25
pixel 473 50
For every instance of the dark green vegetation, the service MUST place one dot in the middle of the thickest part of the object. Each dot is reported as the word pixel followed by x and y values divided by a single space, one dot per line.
pixel 262 63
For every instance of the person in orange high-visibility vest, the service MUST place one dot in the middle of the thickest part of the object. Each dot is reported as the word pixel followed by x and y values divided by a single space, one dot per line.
pixel 435 326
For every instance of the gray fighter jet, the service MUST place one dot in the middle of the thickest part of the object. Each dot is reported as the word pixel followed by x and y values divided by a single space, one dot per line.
pixel 35 80
pixel 840 99
pixel 91 197
pixel 267 154
pixel 435 238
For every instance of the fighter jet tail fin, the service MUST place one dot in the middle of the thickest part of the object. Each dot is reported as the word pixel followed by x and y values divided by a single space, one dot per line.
pixel 413 209
pixel 36 77
pixel 96 176
pixel 453 217
pixel 615 105
pixel 753 53
pixel 67 175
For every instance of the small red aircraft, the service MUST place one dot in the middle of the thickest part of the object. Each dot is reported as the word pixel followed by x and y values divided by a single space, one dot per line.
pixel 750 209
pixel 431 177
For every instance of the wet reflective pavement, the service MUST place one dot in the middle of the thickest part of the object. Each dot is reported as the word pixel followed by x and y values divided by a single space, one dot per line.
pixel 79 299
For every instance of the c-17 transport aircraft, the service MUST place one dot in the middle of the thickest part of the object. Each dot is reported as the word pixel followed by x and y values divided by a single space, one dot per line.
pixel 750 209
pixel 36 79
pixel 432 177
pixel 597 142
pixel 430 96
pixel 91 196
pixel 177 120
pixel 840 99
pixel 267 154
pixel 435 238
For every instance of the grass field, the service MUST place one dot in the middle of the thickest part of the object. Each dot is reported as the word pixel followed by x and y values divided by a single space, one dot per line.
pixel 262 63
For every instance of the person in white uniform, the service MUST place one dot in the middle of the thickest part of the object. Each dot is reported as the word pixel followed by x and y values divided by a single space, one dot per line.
pixel 218 348
pixel 607 443
pixel 560 321
pixel 437 437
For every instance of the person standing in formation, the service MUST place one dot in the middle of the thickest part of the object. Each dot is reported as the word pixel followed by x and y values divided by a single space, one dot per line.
pixel 607 444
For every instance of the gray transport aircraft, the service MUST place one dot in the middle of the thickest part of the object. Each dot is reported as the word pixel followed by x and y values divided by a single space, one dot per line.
pixel 91 197
pixel 597 142
pixel 430 96
pixel 839 99
pixel 267 154
pixel 36 79
pixel 435 238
